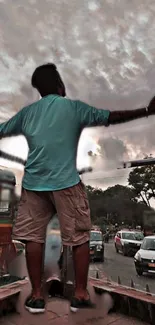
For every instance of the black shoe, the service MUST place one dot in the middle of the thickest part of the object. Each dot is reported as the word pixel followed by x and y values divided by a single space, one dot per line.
pixel 35 305
pixel 81 304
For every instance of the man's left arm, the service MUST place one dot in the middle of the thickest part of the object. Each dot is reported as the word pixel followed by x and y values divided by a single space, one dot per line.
pixel 91 116
pixel 116 117
pixel 12 127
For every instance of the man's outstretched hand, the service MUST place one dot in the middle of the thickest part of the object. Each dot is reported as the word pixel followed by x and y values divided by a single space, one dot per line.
pixel 151 106
pixel 126 116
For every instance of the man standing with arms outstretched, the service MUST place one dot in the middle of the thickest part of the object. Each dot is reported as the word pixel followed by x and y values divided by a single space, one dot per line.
pixel 52 127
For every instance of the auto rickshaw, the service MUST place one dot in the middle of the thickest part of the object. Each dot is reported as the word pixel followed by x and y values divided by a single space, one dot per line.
pixel 7 214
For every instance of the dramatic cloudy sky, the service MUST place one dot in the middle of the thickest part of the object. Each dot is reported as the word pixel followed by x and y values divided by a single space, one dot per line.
pixel 105 52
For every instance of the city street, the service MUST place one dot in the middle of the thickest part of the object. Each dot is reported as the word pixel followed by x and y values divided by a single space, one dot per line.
pixel 114 265
pixel 58 311
pixel 118 265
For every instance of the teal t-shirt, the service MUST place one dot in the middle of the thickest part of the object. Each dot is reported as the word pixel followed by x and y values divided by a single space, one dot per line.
pixel 52 127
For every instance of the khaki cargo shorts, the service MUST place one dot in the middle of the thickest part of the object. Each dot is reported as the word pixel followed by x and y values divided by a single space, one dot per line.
pixel 36 209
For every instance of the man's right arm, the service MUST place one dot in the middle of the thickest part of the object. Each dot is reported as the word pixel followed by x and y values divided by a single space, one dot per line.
pixel 12 127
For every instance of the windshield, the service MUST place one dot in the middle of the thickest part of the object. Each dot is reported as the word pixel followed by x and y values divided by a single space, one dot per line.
pixel 139 236
pixel 4 207
pixel 132 236
pixel 95 236
pixel 148 244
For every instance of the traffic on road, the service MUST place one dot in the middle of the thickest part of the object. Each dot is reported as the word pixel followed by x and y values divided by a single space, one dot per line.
pixel 128 242
pixel 96 246
pixel 129 257
pixel 145 257
pixel 119 267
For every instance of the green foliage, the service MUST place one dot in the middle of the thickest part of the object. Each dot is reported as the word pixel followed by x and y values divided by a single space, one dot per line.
pixel 142 182
pixel 116 204
pixel 124 204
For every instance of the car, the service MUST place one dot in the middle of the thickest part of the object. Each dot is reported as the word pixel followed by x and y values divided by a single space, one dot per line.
pixel 96 245
pixel 19 247
pixel 145 257
pixel 128 242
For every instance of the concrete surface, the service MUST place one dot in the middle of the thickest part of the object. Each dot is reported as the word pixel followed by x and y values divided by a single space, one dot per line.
pixel 58 313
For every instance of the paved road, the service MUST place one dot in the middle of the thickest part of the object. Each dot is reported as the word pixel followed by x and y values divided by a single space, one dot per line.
pixel 115 265
pixel 118 265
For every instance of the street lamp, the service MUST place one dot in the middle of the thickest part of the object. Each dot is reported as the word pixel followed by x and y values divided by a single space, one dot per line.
pixel 136 163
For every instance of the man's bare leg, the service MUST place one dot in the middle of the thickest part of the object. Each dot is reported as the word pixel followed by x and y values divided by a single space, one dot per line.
pixel 81 258
pixel 34 259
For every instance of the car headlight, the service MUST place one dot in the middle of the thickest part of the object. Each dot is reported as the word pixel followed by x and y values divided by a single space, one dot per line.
pixel 138 257
pixel 99 247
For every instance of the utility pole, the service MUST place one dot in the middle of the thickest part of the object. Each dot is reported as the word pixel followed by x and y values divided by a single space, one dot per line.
pixel 136 163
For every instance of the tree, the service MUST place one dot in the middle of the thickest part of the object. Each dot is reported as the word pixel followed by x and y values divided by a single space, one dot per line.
pixel 119 190
pixel 94 192
pixel 121 204
pixel 142 182
pixel 95 196
pixel 117 204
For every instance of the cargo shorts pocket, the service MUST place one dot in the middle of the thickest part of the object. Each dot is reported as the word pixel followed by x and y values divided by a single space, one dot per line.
pixel 82 218
pixel 73 208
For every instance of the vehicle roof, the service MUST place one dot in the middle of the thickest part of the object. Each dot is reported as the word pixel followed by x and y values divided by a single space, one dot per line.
pixel 96 230
pixel 150 237
pixel 130 231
